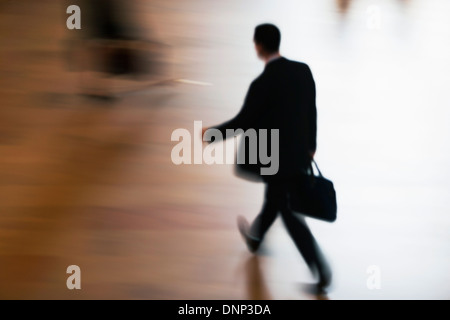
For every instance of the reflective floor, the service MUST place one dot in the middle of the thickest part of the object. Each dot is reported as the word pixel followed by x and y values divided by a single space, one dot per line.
pixel 91 183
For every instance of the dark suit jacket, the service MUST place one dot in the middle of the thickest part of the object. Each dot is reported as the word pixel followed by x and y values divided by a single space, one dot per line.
pixel 283 97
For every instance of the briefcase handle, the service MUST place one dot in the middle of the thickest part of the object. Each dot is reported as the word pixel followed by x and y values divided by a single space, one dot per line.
pixel 317 167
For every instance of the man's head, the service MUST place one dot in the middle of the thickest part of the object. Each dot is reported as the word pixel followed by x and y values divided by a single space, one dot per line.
pixel 267 40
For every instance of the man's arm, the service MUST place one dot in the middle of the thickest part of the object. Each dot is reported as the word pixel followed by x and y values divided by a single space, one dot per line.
pixel 245 119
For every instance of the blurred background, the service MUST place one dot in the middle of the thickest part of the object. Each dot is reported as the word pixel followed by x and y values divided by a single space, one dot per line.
pixel 86 176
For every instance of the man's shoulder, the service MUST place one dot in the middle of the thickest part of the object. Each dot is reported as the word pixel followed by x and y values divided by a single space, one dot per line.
pixel 259 81
pixel 298 64
pixel 287 64
pixel 282 66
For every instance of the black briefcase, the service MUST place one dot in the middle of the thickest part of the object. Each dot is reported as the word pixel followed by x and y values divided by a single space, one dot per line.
pixel 314 196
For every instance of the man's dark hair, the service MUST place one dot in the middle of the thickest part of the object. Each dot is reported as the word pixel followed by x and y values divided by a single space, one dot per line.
pixel 269 37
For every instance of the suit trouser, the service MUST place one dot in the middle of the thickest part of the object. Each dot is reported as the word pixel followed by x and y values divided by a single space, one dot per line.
pixel 276 201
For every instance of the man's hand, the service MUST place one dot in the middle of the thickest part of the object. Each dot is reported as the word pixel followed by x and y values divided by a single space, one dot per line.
pixel 203 135
pixel 204 131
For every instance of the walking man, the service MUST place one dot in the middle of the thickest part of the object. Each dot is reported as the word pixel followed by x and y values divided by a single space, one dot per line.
pixel 283 97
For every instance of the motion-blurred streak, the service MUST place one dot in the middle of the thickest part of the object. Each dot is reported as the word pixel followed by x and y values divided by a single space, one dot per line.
pixel 113 45
pixel 343 5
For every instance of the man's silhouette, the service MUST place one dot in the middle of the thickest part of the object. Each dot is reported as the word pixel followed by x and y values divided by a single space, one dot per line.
pixel 283 97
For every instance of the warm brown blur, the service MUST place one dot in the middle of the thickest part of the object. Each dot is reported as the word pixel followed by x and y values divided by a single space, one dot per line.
pixel 86 176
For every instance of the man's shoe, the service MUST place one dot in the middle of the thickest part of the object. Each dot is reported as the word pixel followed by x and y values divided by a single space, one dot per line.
pixel 244 228
pixel 324 281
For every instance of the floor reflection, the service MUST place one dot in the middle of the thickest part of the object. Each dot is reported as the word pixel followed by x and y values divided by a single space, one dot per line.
pixel 256 287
